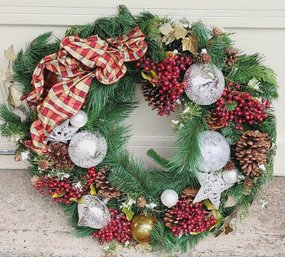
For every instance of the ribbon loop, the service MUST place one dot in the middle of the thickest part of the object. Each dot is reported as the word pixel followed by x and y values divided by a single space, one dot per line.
pixel 78 61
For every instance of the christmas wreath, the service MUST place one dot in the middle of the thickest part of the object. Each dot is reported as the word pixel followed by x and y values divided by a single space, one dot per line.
pixel 70 125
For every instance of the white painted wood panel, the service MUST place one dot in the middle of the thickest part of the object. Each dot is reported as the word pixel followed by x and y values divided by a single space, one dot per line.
pixel 259 26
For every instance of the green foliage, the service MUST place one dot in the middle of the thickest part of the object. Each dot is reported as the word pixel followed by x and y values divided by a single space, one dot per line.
pixel 108 106
pixel 217 47
pixel 202 33
pixel 26 61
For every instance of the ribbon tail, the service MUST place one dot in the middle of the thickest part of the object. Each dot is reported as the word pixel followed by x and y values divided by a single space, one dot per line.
pixel 63 101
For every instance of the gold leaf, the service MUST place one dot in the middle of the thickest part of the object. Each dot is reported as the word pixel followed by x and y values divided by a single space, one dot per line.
pixel 166 29
pixel 149 76
pixel 9 53
pixel 179 31
pixel 228 229
pixel 57 195
pixel 190 44
pixel 129 213
pixel 92 190
pixel 14 96
pixel 209 205
pixel 80 200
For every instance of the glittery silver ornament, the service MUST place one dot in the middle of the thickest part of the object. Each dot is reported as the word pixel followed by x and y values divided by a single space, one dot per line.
pixel 205 83
pixel 214 151
pixel 212 185
pixel 87 149
pixel 62 133
pixel 93 212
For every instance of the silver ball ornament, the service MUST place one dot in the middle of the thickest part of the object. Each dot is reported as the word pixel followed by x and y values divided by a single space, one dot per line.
pixel 205 83
pixel 230 176
pixel 214 151
pixel 169 198
pixel 79 119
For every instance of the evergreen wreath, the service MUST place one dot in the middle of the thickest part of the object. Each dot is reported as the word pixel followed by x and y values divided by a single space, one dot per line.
pixel 225 130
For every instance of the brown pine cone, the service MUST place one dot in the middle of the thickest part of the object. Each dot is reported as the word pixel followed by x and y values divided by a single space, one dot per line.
pixel 171 220
pixel 141 202
pixel 103 185
pixel 43 164
pixel 217 32
pixel 251 151
pixel 229 166
pixel 214 122
pixel 189 194
pixel 203 58
pixel 58 156
pixel 231 56
pixel 248 183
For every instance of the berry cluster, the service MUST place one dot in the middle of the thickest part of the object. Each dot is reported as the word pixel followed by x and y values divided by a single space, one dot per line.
pixel 239 107
pixel 184 218
pixel 65 189
pixel 119 228
pixel 166 81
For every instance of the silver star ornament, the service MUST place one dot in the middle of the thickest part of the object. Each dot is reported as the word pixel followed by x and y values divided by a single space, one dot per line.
pixel 212 185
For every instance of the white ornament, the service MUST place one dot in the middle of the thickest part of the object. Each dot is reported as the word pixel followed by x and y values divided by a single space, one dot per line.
pixel 212 185
pixel 169 198
pixel 214 151
pixel 87 149
pixel 62 133
pixel 79 119
pixel 93 212
pixel 205 83
pixel 230 176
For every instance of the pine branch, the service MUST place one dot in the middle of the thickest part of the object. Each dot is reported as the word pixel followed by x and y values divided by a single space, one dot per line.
pixel 202 32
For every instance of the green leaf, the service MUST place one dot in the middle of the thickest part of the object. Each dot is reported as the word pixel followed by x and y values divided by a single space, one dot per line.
pixel 129 213
pixel 231 106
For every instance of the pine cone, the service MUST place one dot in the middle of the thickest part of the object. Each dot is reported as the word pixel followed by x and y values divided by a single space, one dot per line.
pixel 43 164
pixel 104 187
pixel 203 58
pixel 18 157
pixel 217 32
pixel 58 156
pixel 229 166
pixel 171 220
pixel 214 122
pixel 189 194
pixel 231 56
pixel 141 202
pixel 251 151
pixel 248 183
pixel 151 95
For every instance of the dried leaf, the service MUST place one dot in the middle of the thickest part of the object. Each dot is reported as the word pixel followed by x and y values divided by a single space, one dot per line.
pixel 231 201
pixel 228 229
pixel 190 44
pixel 6 75
pixel 166 29
pixel 179 31
pixel 9 53
pixel 14 96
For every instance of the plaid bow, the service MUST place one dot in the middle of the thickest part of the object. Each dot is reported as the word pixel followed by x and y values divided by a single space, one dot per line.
pixel 78 61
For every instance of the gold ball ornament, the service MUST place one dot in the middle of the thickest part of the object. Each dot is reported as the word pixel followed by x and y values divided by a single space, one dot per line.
pixel 141 227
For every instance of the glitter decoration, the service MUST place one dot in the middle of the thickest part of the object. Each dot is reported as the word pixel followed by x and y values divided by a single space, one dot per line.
pixel 79 120
pixel 169 198
pixel 212 185
pixel 93 212
pixel 87 149
pixel 205 83
pixel 62 133
pixel 214 151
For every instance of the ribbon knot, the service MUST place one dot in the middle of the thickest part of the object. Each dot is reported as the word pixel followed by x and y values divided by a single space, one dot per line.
pixel 78 61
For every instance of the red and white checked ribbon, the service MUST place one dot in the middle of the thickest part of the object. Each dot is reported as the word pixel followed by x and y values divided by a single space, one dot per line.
pixel 78 61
